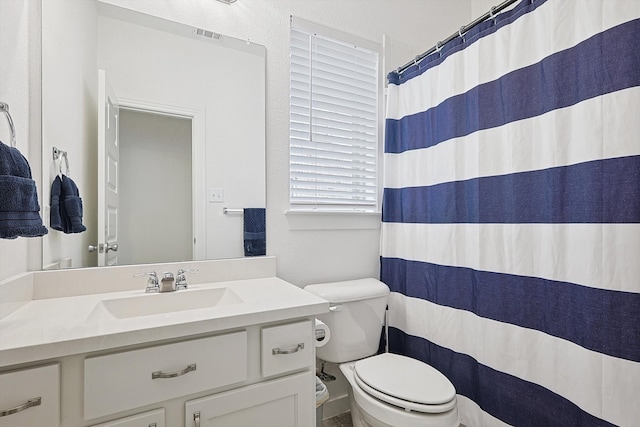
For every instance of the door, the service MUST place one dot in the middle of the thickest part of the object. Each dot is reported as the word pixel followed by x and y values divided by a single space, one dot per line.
pixel 285 402
pixel 108 158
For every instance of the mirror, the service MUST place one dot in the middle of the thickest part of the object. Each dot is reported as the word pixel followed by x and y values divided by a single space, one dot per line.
pixel 190 127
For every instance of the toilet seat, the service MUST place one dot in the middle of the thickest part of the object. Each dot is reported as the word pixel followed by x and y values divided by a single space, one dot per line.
pixel 405 382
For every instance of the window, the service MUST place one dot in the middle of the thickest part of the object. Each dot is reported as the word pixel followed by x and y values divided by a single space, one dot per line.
pixel 334 120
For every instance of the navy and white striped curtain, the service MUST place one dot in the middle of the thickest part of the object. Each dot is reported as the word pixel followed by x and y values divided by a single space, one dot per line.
pixel 511 215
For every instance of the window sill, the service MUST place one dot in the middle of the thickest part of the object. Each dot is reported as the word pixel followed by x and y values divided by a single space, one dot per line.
pixel 337 220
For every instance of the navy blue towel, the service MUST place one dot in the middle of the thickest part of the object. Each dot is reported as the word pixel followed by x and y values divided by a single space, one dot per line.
pixel 66 206
pixel 55 210
pixel 72 207
pixel 255 234
pixel 19 208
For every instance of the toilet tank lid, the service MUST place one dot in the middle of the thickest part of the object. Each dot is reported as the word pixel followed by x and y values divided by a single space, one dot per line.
pixel 350 290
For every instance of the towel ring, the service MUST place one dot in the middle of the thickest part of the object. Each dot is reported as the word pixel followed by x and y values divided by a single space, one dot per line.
pixel 4 107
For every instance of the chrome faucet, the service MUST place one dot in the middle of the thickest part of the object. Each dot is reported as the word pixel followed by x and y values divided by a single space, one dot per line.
pixel 181 280
pixel 152 282
pixel 168 283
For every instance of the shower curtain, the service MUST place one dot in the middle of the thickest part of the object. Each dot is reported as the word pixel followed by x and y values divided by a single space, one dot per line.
pixel 511 215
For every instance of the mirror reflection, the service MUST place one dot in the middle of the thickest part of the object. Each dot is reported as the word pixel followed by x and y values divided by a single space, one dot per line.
pixel 183 107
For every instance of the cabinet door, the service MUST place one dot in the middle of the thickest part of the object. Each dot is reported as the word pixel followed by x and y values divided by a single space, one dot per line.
pixel 285 402
pixel 30 397
pixel 147 419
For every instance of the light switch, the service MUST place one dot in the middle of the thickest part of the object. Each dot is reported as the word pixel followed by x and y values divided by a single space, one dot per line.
pixel 216 195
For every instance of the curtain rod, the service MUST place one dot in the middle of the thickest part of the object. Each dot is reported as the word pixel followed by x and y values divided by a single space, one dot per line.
pixel 493 12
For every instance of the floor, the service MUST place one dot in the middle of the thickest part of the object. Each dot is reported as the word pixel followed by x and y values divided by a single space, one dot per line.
pixel 342 420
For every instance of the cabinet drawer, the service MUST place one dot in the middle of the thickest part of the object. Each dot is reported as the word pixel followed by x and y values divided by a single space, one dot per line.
pixel 131 379
pixel 146 419
pixel 287 348
pixel 19 390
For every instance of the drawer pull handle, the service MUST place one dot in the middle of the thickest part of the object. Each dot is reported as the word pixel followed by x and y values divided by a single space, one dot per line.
pixel 160 374
pixel 290 351
pixel 28 404
pixel 196 419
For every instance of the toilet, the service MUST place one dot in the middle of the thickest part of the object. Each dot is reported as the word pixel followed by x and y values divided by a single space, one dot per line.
pixel 386 390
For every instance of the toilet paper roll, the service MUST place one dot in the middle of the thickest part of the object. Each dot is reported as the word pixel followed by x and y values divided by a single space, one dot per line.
pixel 323 335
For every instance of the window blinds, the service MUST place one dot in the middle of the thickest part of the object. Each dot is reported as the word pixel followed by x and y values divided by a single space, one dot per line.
pixel 333 124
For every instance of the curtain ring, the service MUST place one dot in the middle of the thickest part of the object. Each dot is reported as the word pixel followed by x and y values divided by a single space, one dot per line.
pixel 492 14
pixel 460 33
pixel 438 48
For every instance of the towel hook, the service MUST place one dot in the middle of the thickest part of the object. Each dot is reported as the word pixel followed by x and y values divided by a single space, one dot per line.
pixel 4 107
pixel 56 157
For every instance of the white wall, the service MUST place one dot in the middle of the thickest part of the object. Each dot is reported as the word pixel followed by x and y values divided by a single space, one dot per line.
pixel 19 72
pixel 306 256
pixel 480 7
pixel 69 97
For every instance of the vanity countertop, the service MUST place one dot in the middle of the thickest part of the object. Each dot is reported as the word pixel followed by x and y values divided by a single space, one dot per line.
pixel 50 328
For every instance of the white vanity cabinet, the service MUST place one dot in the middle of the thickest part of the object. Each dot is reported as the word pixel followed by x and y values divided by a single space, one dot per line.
pixel 261 375
pixel 67 359
pixel 30 397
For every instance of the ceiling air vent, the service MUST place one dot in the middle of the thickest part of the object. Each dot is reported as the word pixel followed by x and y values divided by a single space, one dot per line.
pixel 207 34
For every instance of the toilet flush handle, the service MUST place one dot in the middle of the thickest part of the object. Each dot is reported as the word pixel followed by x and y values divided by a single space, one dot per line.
pixel 335 307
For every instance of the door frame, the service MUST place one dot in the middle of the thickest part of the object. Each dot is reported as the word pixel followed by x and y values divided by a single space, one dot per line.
pixel 198 153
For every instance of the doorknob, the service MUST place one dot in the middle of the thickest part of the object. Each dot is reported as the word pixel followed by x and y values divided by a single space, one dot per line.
pixel 103 248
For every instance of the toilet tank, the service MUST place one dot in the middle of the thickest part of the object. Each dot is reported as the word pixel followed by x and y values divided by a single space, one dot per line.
pixel 355 319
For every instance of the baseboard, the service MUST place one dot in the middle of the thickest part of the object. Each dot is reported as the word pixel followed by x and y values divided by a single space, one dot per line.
pixel 335 406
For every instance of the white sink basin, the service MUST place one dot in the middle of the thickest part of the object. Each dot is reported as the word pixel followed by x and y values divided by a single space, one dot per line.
pixel 165 303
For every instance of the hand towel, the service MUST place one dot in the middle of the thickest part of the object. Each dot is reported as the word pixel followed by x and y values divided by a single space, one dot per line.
pixel 19 208
pixel 71 207
pixel 255 242
pixel 55 207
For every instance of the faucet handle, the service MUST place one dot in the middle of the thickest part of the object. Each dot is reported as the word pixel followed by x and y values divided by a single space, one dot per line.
pixel 181 280
pixel 152 283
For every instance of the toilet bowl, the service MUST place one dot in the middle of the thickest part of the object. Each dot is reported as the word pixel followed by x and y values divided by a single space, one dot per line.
pixel 386 390
pixel 394 390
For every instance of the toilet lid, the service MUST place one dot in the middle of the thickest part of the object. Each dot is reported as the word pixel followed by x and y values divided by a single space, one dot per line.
pixel 405 382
